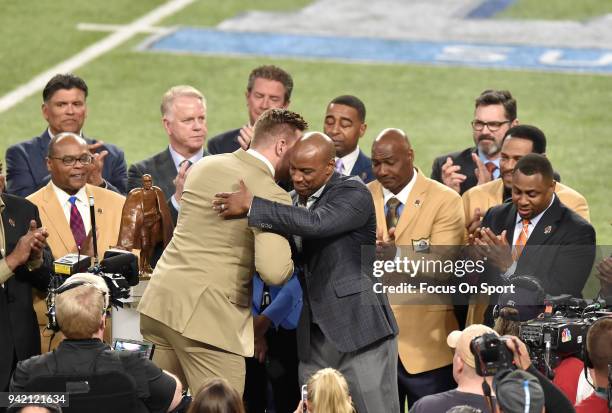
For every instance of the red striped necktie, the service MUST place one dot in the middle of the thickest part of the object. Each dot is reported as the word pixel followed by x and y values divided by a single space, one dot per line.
pixel 76 223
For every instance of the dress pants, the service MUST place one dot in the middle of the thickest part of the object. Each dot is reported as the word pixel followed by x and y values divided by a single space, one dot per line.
pixel 192 361
pixel 371 372
pixel 280 369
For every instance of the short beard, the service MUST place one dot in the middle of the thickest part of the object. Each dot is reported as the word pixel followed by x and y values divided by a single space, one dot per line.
pixel 489 150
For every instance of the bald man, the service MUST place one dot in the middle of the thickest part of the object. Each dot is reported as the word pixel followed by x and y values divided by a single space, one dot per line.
pixel 344 324
pixel 420 214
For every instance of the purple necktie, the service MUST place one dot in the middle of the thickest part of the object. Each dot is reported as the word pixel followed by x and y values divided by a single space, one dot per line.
pixel 339 166
pixel 76 223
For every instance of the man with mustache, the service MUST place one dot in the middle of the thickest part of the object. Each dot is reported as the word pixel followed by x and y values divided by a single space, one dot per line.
pixel 494 114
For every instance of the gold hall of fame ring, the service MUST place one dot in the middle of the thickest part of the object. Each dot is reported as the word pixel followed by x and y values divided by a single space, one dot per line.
pixel 8 399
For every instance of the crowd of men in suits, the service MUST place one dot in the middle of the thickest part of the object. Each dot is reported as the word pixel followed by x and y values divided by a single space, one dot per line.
pixel 284 279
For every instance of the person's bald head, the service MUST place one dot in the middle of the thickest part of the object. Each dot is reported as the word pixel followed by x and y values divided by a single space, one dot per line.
pixel 392 159
pixel 312 163
pixel 69 162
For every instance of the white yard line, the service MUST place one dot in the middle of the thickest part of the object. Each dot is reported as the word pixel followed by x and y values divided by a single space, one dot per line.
pixel 90 53
pixel 95 27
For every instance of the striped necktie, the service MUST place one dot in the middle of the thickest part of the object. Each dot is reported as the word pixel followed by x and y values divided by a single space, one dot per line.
pixel 76 223
pixel 392 216
pixel 340 166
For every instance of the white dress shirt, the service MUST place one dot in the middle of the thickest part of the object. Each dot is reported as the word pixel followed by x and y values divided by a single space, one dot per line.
pixel 82 204
pixel 348 161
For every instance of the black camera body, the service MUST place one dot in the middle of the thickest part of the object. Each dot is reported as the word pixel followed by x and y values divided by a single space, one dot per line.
pixel 491 354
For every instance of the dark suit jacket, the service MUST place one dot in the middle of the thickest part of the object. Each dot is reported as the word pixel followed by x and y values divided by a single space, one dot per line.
pixel 18 325
pixel 462 159
pixel 26 166
pixel 225 142
pixel 338 294
pixel 363 168
pixel 468 166
pixel 163 171
pixel 559 252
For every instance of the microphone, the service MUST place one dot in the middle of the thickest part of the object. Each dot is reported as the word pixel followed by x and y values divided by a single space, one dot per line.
pixel 92 215
pixel 121 262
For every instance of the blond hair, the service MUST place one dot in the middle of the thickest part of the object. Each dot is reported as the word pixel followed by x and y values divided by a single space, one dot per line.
pixel 79 310
pixel 328 392
pixel 179 91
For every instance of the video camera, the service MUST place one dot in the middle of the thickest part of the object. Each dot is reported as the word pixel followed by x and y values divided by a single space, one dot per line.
pixel 118 269
pixel 561 331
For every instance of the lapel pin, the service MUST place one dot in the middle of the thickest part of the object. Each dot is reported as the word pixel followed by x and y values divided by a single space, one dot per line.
pixel 99 210
pixel 548 229
pixel 417 203
pixel 11 222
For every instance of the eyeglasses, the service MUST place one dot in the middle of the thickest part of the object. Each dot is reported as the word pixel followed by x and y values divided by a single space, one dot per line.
pixel 493 126
pixel 71 160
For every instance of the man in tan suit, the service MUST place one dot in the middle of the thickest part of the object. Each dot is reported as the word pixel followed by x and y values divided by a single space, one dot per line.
pixel 413 210
pixel 197 306
pixel 65 200
pixel 518 142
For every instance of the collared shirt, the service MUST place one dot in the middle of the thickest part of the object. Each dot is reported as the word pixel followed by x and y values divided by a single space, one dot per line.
pixel 262 158
pixel 401 196
pixel 312 198
pixel 485 160
pixel 82 204
pixel 51 135
pixel 178 159
pixel 348 161
pixel 518 227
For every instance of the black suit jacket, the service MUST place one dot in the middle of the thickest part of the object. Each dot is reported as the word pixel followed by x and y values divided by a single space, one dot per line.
pixel 225 142
pixel 363 168
pixel 163 171
pixel 18 326
pixel 26 166
pixel 560 250
pixel 337 284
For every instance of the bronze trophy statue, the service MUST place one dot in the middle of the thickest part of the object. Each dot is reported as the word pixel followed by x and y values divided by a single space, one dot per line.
pixel 145 222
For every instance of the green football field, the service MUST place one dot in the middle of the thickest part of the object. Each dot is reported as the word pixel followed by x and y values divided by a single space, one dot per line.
pixel 433 104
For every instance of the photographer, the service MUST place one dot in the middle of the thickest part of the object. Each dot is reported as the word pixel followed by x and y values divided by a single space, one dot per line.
pixel 599 358
pixel 518 392
pixel 80 306
pixel 469 384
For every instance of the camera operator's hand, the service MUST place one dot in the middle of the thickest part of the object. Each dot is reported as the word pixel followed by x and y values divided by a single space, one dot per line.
pixel 519 349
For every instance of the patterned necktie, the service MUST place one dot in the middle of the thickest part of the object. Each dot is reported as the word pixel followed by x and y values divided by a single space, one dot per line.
pixel 76 223
pixel 392 215
pixel 491 167
pixel 521 241
pixel 189 163
pixel 340 166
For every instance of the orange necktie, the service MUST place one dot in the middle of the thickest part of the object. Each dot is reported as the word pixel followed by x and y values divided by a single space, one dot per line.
pixel 491 167
pixel 521 241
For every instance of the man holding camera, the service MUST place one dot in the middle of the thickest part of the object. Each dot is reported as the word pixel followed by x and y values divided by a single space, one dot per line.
pixel 474 364
pixel 80 305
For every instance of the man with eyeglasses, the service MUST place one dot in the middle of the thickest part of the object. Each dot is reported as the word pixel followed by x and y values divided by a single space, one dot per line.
pixel 64 207
pixel 494 114
pixel 65 109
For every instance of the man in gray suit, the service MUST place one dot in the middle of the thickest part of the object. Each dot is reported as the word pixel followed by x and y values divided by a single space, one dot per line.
pixel 183 110
pixel 344 324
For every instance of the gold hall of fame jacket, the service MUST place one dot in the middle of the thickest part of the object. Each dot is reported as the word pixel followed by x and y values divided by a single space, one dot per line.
pixel 433 214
